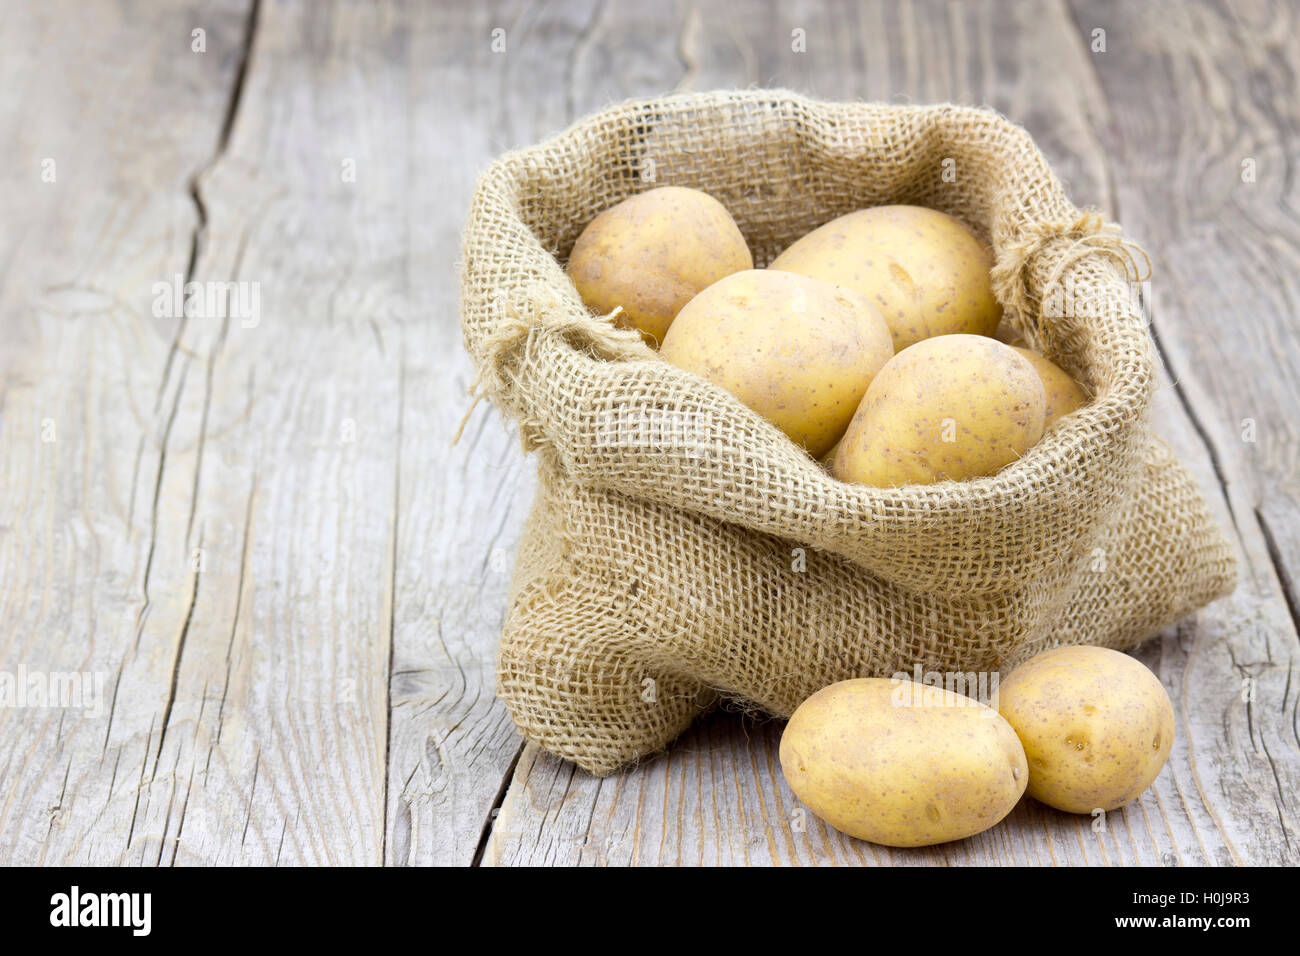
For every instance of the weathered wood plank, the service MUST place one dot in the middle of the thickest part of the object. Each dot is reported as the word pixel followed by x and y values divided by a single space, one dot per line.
pixel 717 796
pixel 96 476
pixel 269 670
pixel 451 745
pixel 282 714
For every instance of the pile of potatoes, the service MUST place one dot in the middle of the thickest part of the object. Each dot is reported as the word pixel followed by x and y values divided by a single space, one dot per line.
pixel 1082 729
pixel 870 341
pixel 874 343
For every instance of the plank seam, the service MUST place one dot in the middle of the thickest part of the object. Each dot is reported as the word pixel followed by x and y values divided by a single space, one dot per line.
pixel 507 779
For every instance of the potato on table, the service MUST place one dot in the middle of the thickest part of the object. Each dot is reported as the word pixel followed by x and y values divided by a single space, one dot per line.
pixel 902 763
pixel 926 271
pixel 948 408
pixel 799 352
pixel 1097 726
pixel 650 254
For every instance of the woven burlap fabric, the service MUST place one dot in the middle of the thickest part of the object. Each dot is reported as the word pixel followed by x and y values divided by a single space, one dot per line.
pixel 682 550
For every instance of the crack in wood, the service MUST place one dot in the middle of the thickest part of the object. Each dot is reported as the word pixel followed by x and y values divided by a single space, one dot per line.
pixel 489 823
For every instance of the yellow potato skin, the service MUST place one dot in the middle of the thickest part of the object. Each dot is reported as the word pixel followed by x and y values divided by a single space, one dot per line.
pixel 972 389
pixel 1096 725
pixel 652 253
pixel 1064 394
pixel 902 764
pixel 799 352
pixel 926 271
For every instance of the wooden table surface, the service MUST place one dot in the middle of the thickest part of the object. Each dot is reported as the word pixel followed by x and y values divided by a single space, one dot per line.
pixel 255 537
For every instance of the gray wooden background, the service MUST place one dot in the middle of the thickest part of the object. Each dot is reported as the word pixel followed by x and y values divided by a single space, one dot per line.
pixel 258 537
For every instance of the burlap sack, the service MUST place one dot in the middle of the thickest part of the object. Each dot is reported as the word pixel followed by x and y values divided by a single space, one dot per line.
pixel 682 550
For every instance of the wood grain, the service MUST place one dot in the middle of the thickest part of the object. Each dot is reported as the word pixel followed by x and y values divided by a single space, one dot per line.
pixel 451 744
pixel 97 444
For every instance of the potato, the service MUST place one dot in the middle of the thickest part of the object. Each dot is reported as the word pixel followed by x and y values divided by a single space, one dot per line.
pixel 1064 394
pixel 901 763
pixel 950 407
pixel 926 271
pixel 799 352
pixel 1096 725
pixel 652 253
